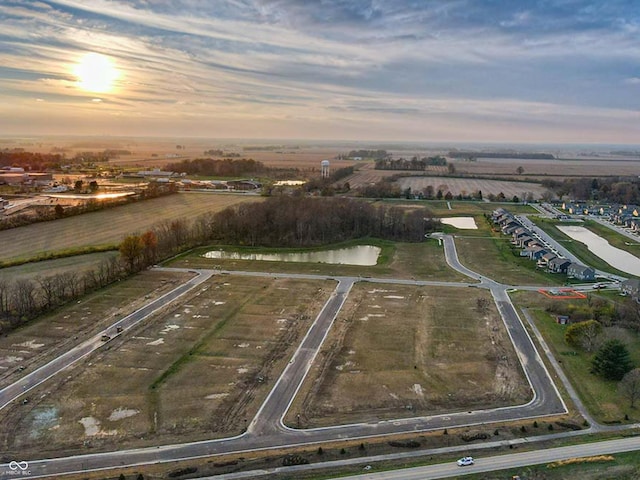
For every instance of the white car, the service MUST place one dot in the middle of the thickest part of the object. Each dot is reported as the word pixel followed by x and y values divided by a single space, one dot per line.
pixel 464 461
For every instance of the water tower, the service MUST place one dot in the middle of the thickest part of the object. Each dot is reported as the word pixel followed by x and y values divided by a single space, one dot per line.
pixel 324 168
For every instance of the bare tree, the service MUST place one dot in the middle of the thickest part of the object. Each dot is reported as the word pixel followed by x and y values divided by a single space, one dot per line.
pixel 23 297
pixel 49 290
pixel 629 386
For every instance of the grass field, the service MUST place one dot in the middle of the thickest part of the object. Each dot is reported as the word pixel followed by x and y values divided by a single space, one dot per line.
pixel 599 396
pixel 108 227
pixel 441 208
pixel 421 261
pixel 77 263
pixel 401 351
pixel 490 253
pixel 196 370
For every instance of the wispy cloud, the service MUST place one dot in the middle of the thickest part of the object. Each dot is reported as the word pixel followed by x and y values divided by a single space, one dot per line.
pixel 331 66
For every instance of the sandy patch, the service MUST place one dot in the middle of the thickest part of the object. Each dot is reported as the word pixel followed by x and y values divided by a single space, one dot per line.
pixel 396 297
pixel 12 359
pixel 242 370
pixel 463 223
pixel 215 396
pixel 120 413
pixel 92 427
pixel 417 389
pixel 169 328
pixel 29 344
pixel 242 345
pixel 159 341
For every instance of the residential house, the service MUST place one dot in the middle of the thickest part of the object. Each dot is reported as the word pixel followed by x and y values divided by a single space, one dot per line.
pixel 546 258
pixel 535 252
pixel 631 287
pixel 558 265
pixel 581 272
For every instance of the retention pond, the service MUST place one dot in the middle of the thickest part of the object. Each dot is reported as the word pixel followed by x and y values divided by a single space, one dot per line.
pixel 365 255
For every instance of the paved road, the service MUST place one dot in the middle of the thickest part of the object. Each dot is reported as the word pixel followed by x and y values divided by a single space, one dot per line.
pixel 267 431
pixel 43 373
pixel 503 462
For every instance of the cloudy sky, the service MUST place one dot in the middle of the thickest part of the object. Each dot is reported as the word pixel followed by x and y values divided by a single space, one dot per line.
pixel 551 71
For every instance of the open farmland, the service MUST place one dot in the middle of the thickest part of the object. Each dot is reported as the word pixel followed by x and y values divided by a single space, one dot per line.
pixel 40 340
pixel 109 226
pixel 404 351
pixel 543 168
pixel 197 369
pixel 470 185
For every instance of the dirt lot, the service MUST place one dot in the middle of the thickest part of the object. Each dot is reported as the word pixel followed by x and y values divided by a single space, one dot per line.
pixel 398 351
pixel 31 345
pixel 199 369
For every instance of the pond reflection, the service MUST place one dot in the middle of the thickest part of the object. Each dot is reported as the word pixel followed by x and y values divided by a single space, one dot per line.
pixel 365 255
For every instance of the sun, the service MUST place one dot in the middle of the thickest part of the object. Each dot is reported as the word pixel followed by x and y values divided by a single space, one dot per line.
pixel 96 73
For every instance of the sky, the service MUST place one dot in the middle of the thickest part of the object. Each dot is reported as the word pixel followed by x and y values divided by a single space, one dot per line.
pixel 548 71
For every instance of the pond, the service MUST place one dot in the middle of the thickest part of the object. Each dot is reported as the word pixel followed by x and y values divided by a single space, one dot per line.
pixel 364 255
pixel 464 223
pixel 615 257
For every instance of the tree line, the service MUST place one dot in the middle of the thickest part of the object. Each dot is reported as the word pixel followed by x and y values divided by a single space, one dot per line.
pixel 218 168
pixel 414 163
pixel 280 221
pixel 622 190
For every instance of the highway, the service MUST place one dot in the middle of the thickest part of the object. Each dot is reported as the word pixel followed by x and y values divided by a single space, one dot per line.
pixel 267 430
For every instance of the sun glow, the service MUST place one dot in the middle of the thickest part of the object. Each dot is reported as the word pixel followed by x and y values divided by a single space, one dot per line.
pixel 96 73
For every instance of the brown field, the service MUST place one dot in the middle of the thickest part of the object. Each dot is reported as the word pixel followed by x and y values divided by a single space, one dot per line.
pixel 401 351
pixel 109 226
pixel 197 370
pixel 41 339
pixel 470 185
pixel 545 168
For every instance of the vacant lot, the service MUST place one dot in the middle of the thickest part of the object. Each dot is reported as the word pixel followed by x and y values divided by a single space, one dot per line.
pixel 110 226
pixel 198 369
pixel 40 340
pixel 409 351
pixel 490 254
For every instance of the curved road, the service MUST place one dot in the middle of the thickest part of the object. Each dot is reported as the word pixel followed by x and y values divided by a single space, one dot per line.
pixel 267 430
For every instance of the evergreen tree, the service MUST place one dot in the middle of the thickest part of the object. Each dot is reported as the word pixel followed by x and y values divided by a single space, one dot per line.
pixel 612 360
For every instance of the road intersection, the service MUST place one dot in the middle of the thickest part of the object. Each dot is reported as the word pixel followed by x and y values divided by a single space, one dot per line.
pixel 267 429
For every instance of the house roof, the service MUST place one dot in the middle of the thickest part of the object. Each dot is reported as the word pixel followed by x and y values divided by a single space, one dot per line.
pixel 559 262
pixel 580 268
